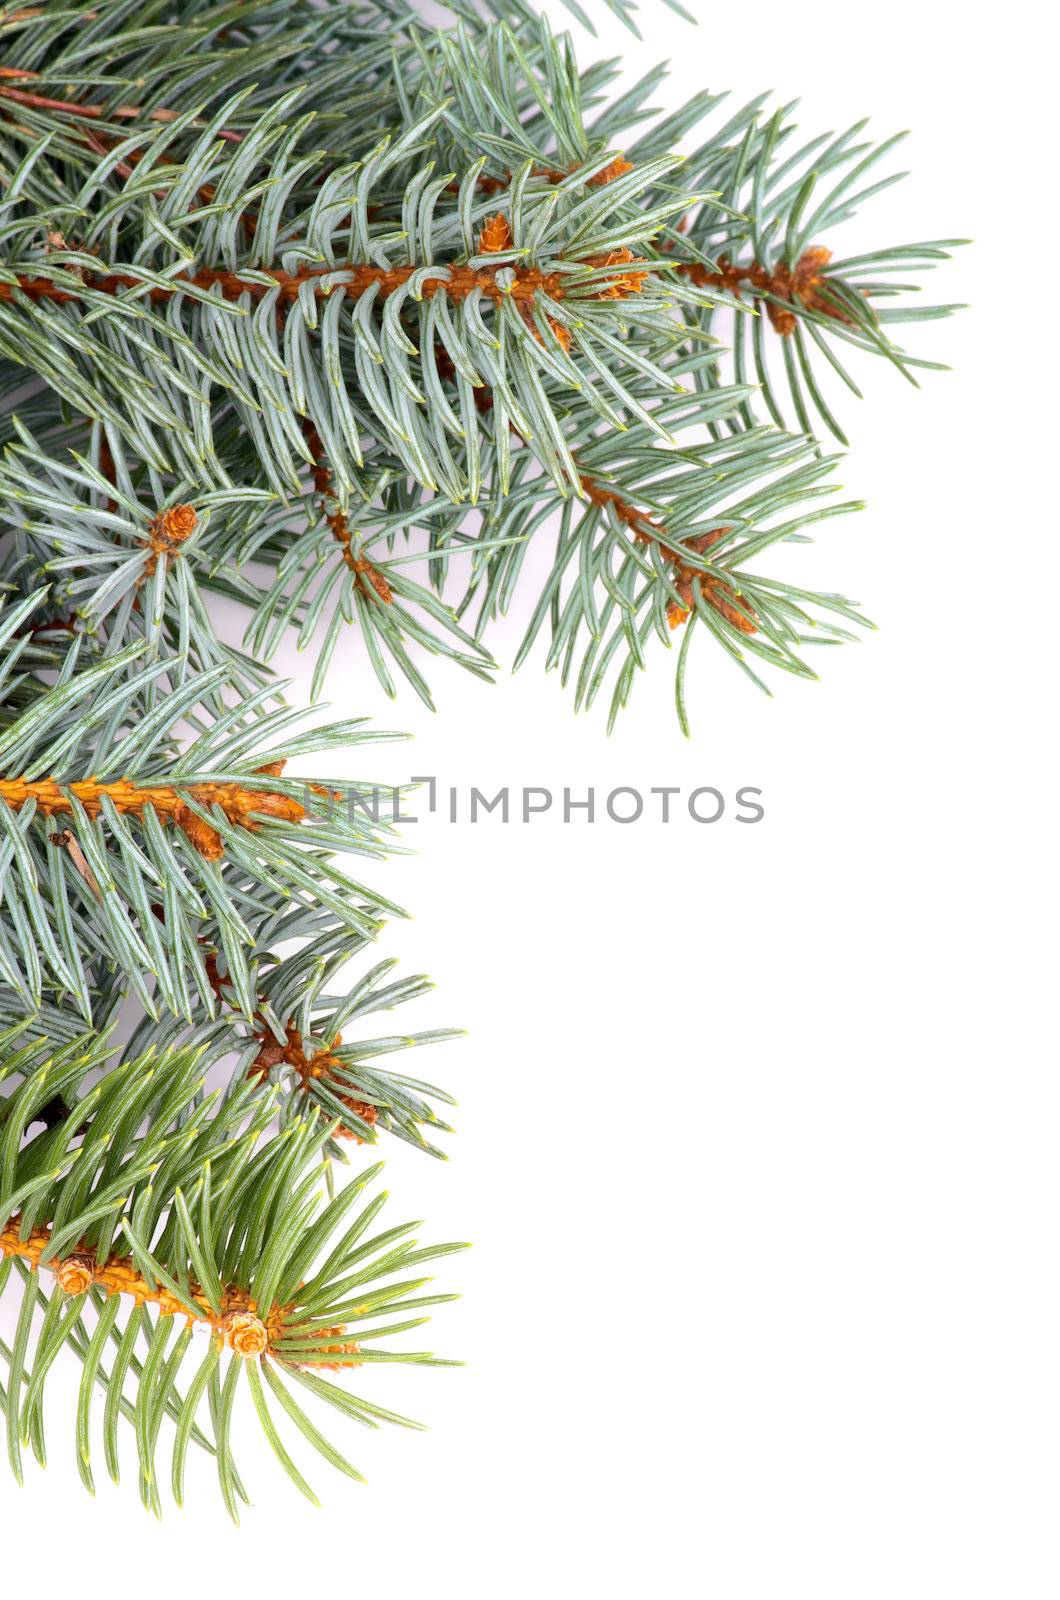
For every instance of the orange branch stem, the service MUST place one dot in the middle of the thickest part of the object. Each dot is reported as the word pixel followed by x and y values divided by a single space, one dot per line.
pixel 40 102
pixel 461 282
pixel 239 805
pixel 646 530
pixel 292 1053
pixel 799 285
pixel 236 1324
pixel 368 578
pixel 306 1067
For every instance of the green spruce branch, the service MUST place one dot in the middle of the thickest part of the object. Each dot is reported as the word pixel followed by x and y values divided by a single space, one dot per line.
pixel 317 311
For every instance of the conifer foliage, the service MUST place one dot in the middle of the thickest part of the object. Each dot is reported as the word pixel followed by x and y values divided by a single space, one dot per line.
pixel 324 312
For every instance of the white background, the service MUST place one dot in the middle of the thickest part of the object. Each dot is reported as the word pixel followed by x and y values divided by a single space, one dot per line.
pixel 758 1126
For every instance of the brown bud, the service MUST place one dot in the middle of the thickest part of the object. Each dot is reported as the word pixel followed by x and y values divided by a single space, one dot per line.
pixel 496 235
pixel 245 1333
pixel 177 524
pixel 207 840
pixel 621 283
pixel 74 1275
pixel 614 169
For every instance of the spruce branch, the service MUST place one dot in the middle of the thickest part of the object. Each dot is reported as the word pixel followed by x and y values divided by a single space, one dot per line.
pixel 319 311
pixel 510 263
pixel 192 1223
pixel 298 1037
pixel 182 806
pixel 195 829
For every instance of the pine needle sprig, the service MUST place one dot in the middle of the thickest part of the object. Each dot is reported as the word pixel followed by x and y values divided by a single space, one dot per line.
pixel 121 556
pixel 299 1037
pixel 193 1227
pixel 250 294
pixel 165 837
